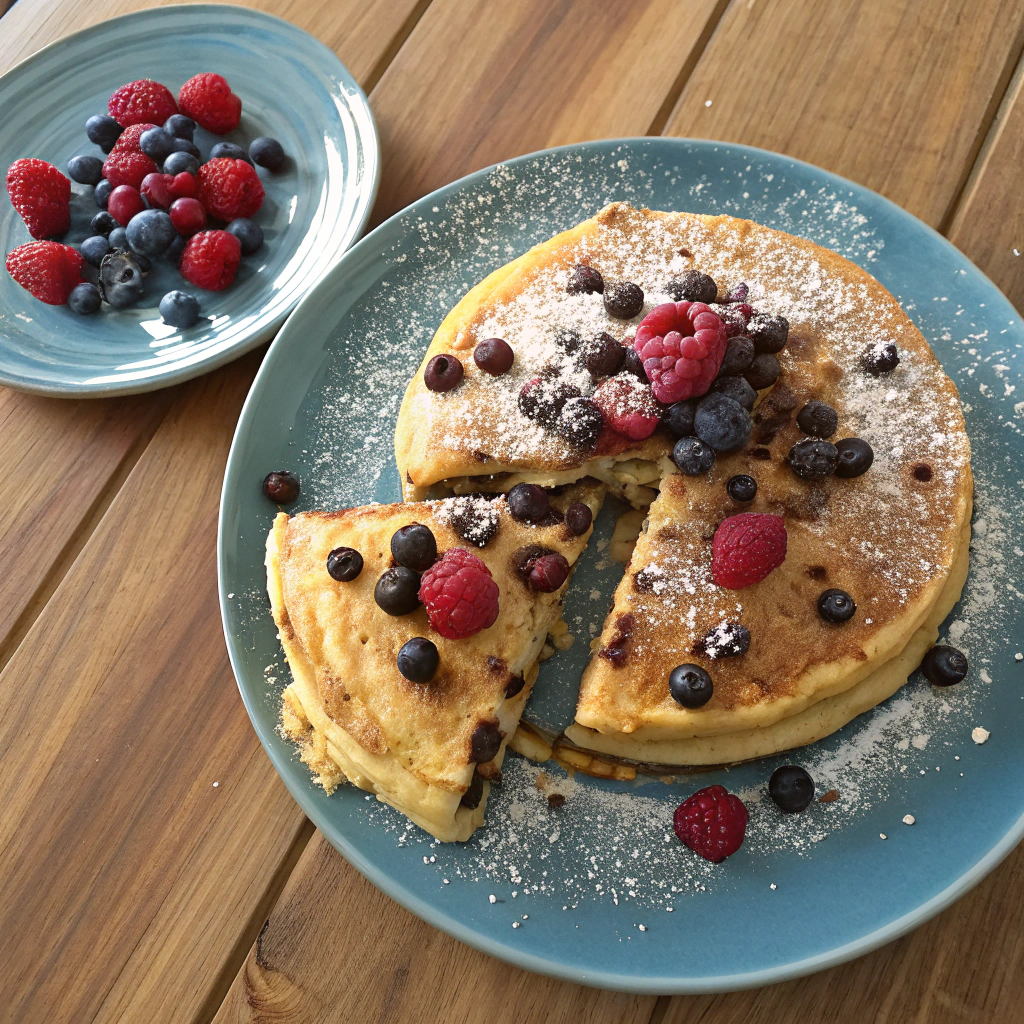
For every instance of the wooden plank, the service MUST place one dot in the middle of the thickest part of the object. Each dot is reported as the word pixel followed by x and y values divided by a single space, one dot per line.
pixel 364 958
pixel 988 224
pixel 896 95
pixel 518 77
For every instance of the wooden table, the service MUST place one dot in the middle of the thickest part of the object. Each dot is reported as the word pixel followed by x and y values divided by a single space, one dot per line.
pixel 131 888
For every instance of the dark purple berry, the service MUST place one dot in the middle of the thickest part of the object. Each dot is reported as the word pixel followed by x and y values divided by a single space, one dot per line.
pixel 603 356
pixel 764 371
pixel 528 503
pixel 690 685
pixel 397 592
pixel 727 640
pixel 692 456
pixel 485 743
pixel 817 419
pixel 101 193
pixel 414 546
pixel 266 152
pixel 281 486
pixel 418 660
pixel 855 457
pixel 768 333
pixel 84 299
pixel 584 280
pixel 791 788
pixel 693 286
pixel 736 388
pixel 568 340
pixel 443 373
pixel 549 572
pixel 880 358
pixel 474 519
pixel 103 130
pixel 739 354
pixel 813 459
pixel 624 300
pixel 944 666
pixel 741 488
pixel 580 422
pixel 578 518
pixel 86 170
pixel 542 399
pixel 836 606
pixel 634 364
pixel 494 356
pixel 344 564
pixel 679 418
pixel 722 423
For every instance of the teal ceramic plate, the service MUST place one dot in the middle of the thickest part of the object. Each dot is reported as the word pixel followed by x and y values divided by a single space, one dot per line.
pixel 292 88
pixel 599 891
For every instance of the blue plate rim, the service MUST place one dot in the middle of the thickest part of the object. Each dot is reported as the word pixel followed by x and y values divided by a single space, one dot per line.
pixel 651 985
pixel 260 335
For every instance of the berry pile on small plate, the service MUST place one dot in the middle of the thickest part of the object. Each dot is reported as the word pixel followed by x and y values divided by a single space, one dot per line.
pixel 158 199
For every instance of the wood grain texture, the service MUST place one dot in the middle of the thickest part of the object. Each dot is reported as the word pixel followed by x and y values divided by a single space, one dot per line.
pixel 988 224
pixel 363 958
pixel 896 94
pixel 522 76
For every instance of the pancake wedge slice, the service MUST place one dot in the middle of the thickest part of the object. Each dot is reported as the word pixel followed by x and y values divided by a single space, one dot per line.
pixel 355 716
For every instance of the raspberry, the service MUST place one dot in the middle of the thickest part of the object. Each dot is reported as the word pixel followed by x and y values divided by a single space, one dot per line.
pixel 48 270
pixel 230 188
pixel 127 167
pixel 712 823
pixel 681 345
pixel 628 406
pixel 210 260
pixel 746 548
pixel 459 595
pixel 209 101
pixel 144 100
pixel 130 140
pixel 42 195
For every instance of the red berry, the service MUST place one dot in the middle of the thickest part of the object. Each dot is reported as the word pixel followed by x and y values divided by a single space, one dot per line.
pixel 210 260
pixel 157 189
pixel 712 823
pixel 746 548
pixel 187 216
pixel 459 595
pixel 126 167
pixel 130 140
pixel 42 195
pixel 209 101
pixel 144 100
pixel 628 406
pixel 681 345
pixel 549 572
pixel 48 270
pixel 124 203
pixel 184 186
pixel 230 188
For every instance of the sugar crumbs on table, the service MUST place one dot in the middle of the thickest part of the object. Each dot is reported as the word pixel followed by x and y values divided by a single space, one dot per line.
pixel 642 927
pixel 882 835
pixel 773 887
pixel 216 784
pixel 909 819
pixel 1019 656
pixel 492 898
pixel 515 924
pixel 980 735
pixel 446 882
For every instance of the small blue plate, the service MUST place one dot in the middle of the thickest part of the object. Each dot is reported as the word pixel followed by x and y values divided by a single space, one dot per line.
pixel 599 890
pixel 292 88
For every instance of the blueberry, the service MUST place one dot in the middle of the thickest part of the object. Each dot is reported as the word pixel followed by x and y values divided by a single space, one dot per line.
pixel 855 457
pixel 679 418
pixel 528 503
pixel 492 355
pixel 228 151
pixel 248 232
pixel 179 126
pixel 880 358
pixel 741 488
pixel 692 456
pixel 185 146
pixel 693 286
pixel 580 422
pixel 175 249
pixel 739 354
pixel 94 248
pixel 726 640
pixel 144 262
pixel 344 564
pixel 944 666
pixel 634 364
pixel 281 487
pixel 836 606
pixel 118 237
pixel 484 743
pixel 624 300
pixel 736 388
pixel 690 686
pixel 86 170
pixel 418 660
pixel 84 298
pixel 443 373
pixel 103 130
pixel 414 547
pixel 543 400
pixel 722 423
pixel 151 232
pixel 813 459
pixel 768 333
pixel 584 280
pixel 178 162
pixel 764 371
pixel 179 309
pixel 578 518
pixel 157 144
pixel 602 355
pixel 266 152
pixel 121 279
pixel 101 193
pixel 817 419
pixel 791 788
pixel 102 224
pixel 397 591
pixel 568 339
